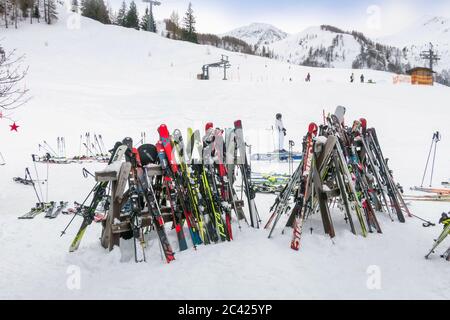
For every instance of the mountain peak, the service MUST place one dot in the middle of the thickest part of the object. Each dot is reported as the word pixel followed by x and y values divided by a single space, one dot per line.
pixel 258 33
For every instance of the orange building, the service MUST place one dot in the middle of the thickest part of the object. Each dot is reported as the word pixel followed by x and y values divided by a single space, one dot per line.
pixel 421 76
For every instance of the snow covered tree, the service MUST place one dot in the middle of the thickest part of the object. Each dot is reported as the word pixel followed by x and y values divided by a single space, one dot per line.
pixel 120 20
pixel 95 9
pixel 152 21
pixel 173 26
pixel 175 18
pixel 132 18
pixel 37 12
pixel 189 25
pixel 52 14
pixel 4 12
pixel 148 21
pixel 144 20
pixel 12 95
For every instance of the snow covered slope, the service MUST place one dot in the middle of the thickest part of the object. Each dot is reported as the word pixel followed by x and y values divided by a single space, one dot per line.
pixel 120 82
pixel 417 38
pixel 328 46
pixel 259 34
pixel 301 48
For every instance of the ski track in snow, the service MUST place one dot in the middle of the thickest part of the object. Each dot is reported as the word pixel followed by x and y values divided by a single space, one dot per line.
pixel 120 91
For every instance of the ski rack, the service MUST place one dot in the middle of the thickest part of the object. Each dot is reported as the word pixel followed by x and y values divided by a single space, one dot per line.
pixel 115 224
pixel 347 167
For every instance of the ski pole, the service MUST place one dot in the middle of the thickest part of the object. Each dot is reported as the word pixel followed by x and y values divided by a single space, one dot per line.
pixel 79 149
pixel 45 148
pixel 101 141
pixel 58 146
pixel 27 172
pixel 86 173
pixel 98 143
pixel 63 140
pixel 46 193
pixel 88 150
pixel 436 138
pixel 93 147
pixel 79 209
pixel 86 144
pixel 428 161
pixel 53 151
pixel 426 223
pixel 37 176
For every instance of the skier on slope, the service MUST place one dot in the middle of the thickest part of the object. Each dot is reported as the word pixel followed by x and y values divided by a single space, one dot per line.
pixel 281 132
pixel 308 77
pixel 352 78
pixel 362 78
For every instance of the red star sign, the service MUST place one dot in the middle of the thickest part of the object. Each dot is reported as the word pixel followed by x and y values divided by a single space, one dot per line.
pixel 14 127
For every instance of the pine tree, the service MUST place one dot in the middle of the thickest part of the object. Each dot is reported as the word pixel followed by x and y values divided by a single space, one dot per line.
pixel 132 18
pixel 52 14
pixel 189 25
pixel 36 12
pixel 144 20
pixel 5 15
pixel 95 9
pixel 120 21
pixel 152 21
pixel 148 22
pixel 175 18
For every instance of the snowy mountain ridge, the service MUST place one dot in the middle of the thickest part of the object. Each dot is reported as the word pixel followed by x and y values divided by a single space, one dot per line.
pixel 328 46
pixel 258 34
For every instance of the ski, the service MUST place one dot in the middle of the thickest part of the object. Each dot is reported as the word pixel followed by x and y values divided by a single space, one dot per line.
pixel 300 214
pixel 439 240
pixel 50 209
pixel 242 162
pixel 62 205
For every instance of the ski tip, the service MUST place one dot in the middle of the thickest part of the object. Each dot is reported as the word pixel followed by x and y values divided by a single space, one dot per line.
pixel 208 126
pixel 363 123
pixel 312 128
pixel 163 129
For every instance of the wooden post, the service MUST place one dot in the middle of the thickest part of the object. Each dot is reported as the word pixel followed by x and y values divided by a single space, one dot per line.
pixel 118 181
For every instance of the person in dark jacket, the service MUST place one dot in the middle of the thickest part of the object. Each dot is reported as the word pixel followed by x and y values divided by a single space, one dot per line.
pixel 308 77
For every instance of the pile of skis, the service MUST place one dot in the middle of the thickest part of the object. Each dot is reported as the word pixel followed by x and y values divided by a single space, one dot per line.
pixel 341 166
pixel 193 191
pixel 91 149
pixel 269 182
pixel 432 194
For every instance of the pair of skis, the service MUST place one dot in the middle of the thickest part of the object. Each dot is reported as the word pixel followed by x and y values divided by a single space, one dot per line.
pixel 55 209
pixel 438 241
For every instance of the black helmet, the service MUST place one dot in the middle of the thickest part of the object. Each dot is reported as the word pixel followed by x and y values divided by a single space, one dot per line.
pixel 278 115
pixel 148 154
pixel 128 142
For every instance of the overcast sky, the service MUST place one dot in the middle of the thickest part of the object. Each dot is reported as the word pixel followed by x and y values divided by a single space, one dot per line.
pixel 376 18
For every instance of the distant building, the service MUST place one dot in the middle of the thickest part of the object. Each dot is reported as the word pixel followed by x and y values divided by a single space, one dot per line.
pixel 421 76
